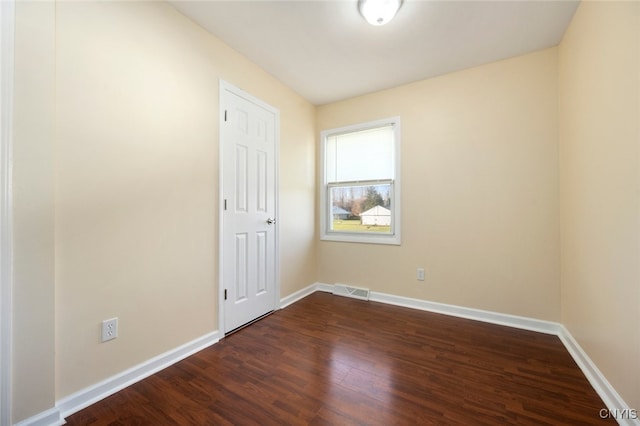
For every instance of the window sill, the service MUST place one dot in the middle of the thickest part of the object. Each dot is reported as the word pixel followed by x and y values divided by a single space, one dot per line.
pixel 363 239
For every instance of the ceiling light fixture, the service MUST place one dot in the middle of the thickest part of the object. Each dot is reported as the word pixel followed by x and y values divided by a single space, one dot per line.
pixel 378 12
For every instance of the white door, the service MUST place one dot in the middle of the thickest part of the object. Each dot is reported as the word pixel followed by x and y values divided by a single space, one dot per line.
pixel 249 137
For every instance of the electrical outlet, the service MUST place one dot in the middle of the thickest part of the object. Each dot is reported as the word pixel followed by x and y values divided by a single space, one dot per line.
pixel 420 274
pixel 109 329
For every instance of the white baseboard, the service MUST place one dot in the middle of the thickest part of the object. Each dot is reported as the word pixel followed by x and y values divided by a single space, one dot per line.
pixel 327 288
pixel 300 294
pixel 598 381
pixel 82 399
pixel 524 323
pixel 51 417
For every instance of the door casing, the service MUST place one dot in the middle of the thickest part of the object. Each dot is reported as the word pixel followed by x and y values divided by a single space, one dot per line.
pixel 7 25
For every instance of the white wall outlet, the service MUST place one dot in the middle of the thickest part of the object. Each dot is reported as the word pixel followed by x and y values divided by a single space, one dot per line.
pixel 109 329
pixel 420 274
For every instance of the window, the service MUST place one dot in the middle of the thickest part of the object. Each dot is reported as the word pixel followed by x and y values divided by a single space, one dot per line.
pixel 360 197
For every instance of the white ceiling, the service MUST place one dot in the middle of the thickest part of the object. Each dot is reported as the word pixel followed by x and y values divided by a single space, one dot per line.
pixel 325 51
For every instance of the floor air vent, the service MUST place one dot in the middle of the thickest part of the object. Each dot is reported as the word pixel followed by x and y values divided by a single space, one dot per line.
pixel 348 291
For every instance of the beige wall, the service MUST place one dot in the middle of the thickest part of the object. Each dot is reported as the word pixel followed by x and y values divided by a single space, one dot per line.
pixel 137 182
pixel 127 126
pixel 479 181
pixel 33 308
pixel 599 185
pixel 131 90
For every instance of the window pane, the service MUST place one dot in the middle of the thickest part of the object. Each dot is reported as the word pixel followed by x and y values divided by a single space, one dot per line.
pixel 360 156
pixel 361 208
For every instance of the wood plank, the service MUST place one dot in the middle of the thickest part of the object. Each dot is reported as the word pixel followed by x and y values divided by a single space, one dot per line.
pixel 332 360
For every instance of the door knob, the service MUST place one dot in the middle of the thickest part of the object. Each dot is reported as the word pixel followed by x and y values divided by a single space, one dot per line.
pixel 271 221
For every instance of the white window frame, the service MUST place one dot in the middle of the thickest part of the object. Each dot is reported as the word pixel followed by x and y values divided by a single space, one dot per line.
pixel 326 234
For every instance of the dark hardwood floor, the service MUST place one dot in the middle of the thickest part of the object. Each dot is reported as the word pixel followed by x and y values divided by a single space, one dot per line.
pixel 333 360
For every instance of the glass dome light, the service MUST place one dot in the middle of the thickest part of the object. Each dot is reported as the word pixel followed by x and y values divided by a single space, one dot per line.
pixel 378 12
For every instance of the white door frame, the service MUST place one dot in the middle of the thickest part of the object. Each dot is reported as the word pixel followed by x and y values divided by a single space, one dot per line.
pixel 7 27
pixel 225 86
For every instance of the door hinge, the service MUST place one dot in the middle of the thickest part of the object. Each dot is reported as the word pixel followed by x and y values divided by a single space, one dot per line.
pixel 225 203
pixel 225 294
pixel 225 115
